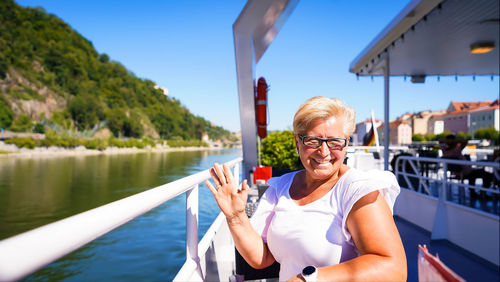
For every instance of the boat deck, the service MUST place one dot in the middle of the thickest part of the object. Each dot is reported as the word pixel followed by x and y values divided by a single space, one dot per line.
pixel 467 265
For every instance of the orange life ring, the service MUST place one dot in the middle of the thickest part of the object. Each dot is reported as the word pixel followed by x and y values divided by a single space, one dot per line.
pixel 261 107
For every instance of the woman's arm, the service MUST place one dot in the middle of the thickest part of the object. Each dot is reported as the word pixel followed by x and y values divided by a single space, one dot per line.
pixel 382 256
pixel 232 203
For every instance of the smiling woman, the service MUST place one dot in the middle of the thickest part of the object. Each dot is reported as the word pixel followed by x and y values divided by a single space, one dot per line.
pixel 325 222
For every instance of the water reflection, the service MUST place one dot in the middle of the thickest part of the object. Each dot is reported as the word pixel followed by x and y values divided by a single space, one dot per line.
pixel 36 191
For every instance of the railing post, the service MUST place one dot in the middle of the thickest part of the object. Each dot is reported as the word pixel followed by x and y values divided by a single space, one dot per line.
pixel 440 228
pixel 192 226
pixel 444 192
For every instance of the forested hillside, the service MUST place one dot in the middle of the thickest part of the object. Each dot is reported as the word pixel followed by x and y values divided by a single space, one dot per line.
pixel 51 77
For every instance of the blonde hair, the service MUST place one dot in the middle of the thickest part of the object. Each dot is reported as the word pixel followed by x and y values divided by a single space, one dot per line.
pixel 323 108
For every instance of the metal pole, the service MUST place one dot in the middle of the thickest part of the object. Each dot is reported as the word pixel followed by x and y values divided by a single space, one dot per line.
pixel 192 227
pixel 386 113
pixel 443 196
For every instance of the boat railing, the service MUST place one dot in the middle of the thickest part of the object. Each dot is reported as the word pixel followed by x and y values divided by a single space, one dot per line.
pixel 392 148
pixel 25 253
pixel 440 200
pixel 422 174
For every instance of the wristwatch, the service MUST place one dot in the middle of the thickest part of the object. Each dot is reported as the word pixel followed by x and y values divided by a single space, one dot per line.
pixel 310 273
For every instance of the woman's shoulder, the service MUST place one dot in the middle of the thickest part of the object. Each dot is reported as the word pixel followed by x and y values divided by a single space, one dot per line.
pixel 279 184
pixel 373 175
pixel 355 181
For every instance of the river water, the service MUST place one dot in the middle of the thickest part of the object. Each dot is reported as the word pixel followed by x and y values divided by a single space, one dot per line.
pixel 37 191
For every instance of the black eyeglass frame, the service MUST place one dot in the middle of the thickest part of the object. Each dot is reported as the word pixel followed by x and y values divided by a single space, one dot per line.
pixel 301 137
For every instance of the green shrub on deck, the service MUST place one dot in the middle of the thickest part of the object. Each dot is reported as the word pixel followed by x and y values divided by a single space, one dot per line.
pixel 278 151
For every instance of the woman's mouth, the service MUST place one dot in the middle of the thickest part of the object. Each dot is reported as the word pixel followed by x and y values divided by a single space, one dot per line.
pixel 322 162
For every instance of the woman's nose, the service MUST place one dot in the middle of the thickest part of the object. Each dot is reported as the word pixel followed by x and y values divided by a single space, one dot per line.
pixel 324 150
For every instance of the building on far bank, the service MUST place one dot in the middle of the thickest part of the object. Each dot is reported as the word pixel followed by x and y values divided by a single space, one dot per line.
pixel 485 117
pixel 435 124
pixel 399 132
pixel 418 122
pixel 204 137
pixel 457 117
pixel 163 89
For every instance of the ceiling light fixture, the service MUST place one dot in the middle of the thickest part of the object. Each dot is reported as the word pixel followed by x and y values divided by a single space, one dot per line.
pixel 482 47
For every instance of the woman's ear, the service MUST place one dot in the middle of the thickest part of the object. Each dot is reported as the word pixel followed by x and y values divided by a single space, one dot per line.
pixel 296 144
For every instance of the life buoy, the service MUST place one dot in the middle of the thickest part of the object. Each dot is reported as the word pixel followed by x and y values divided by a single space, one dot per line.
pixel 261 107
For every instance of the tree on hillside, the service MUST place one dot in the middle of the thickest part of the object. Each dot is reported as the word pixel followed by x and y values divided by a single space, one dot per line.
pixel 85 111
pixel 114 120
pixel 5 113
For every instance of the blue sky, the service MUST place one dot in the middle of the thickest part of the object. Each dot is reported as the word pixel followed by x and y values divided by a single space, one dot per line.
pixel 187 47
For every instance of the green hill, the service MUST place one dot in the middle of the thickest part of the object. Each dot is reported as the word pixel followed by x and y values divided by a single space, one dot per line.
pixel 52 77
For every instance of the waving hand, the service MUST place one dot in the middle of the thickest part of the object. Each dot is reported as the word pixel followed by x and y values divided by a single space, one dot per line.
pixel 230 199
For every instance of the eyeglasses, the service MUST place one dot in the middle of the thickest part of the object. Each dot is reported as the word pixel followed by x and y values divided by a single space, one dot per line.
pixel 315 142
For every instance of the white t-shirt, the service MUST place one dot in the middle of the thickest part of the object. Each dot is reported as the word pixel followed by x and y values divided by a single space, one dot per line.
pixel 316 234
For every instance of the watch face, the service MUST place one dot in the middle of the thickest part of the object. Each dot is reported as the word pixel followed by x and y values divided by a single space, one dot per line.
pixel 308 270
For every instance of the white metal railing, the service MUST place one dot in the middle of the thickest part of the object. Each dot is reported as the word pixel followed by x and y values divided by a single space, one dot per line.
pixel 25 253
pixel 392 148
pixel 426 170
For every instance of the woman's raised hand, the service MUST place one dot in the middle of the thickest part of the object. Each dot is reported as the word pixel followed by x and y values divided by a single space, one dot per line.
pixel 230 199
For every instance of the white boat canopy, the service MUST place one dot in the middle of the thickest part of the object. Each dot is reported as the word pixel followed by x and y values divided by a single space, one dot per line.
pixel 433 37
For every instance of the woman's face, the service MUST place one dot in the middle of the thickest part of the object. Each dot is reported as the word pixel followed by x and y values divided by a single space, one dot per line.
pixel 322 162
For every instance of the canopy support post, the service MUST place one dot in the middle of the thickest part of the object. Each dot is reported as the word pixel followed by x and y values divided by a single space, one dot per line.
pixel 386 113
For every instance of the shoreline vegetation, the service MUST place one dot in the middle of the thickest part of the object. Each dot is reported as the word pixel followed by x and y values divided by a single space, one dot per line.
pixel 82 151
pixel 55 146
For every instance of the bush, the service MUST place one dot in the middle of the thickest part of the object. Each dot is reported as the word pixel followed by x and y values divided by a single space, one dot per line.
pixel 417 137
pixel 430 137
pixel 39 128
pixel 6 115
pixel 443 134
pixel 488 134
pixel 22 142
pixel 116 143
pixel 278 151
pixel 62 118
pixel 464 135
pixel 96 144
pixel 148 141
pixel 132 142
pixel 22 124
pixel 178 142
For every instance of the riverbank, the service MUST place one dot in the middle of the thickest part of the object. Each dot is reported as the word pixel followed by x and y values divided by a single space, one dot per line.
pixel 11 151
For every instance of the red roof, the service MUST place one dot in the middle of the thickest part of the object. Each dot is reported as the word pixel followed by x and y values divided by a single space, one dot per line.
pixel 467 106
pixel 397 123
pixel 490 107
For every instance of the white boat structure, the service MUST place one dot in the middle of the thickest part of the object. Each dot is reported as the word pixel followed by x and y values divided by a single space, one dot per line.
pixel 427 38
